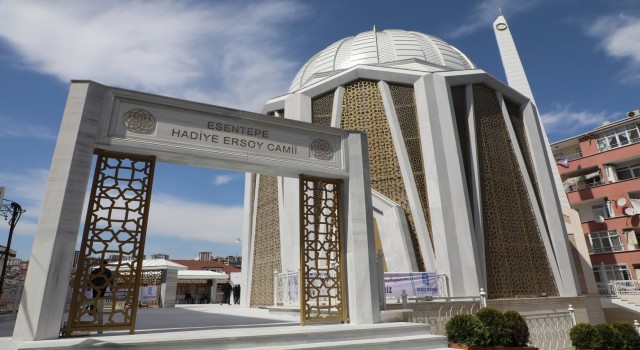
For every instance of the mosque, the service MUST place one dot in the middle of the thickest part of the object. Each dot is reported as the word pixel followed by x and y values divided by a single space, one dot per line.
pixel 461 179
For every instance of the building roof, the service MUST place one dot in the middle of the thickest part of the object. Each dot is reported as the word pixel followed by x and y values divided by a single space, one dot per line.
pixel 373 48
pixel 206 265
pixel 202 275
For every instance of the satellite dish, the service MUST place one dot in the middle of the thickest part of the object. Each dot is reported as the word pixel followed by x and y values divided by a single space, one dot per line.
pixel 630 211
pixel 621 202
pixel 599 219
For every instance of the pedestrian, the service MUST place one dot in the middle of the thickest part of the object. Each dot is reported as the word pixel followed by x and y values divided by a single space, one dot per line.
pixel 236 294
pixel 99 281
pixel 226 291
pixel 187 297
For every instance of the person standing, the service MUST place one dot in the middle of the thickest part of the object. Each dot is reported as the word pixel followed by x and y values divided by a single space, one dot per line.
pixel 236 294
pixel 226 291
pixel 99 282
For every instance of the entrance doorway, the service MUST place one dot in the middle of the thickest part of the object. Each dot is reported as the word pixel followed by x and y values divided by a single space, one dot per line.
pixel 132 124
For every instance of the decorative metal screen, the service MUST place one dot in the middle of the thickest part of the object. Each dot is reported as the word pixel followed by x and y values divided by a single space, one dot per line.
pixel 516 260
pixel 322 285
pixel 107 279
pixel 266 247
pixel 363 110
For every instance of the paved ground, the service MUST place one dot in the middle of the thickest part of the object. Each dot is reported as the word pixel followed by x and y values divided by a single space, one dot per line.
pixel 188 317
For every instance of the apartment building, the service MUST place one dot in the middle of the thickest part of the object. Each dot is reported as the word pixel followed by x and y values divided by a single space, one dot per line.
pixel 600 171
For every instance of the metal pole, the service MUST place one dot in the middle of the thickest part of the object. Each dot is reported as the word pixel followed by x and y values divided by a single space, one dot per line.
pixel 15 216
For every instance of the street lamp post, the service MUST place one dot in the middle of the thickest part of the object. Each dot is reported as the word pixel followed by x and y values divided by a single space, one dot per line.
pixel 16 211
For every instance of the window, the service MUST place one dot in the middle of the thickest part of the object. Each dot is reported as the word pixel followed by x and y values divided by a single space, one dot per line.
pixel 628 172
pixel 617 137
pixel 605 242
pixel 600 210
pixel 604 273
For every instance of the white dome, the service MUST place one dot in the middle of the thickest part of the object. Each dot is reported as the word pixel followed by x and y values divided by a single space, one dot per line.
pixel 373 47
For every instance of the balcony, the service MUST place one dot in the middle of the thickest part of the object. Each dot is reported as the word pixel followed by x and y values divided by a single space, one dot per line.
pixel 621 287
pixel 583 186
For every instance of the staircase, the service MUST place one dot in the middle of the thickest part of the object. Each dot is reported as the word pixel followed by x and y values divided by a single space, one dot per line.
pixel 354 337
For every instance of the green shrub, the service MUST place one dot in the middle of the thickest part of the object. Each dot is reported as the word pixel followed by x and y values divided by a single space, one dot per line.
pixel 630 337
pixel 466 329
pixel 517 328
pixel 607 338
pixel 496 324
pixel 582 335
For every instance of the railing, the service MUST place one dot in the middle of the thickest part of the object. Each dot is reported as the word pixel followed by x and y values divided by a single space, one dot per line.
pixel 619 287
pixel 285 289
pixel 584 186
pixel 612 249
pixel 618 145
pixel 570 157
pixel 436 314
pixel 550 331
pixel 11 294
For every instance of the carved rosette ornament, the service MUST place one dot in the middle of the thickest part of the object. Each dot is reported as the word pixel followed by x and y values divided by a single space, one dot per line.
pixel 321 149
pixel 139 121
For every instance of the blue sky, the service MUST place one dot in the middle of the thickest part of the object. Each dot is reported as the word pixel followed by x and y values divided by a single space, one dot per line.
pixel 582 59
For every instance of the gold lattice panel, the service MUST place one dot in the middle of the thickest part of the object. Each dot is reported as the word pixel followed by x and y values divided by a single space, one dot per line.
pixel 405 105
pixel 321 109
pixel 459 98
pixel 321 254
pixel 363 110
pixel 517 121
pixel 266 248
pixel 516 260
pixel 115 230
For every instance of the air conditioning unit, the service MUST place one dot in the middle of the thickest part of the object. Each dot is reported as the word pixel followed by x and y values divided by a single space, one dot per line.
pixel 634 113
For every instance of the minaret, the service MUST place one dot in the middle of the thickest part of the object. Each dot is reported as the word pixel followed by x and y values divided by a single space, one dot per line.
pixel 517 79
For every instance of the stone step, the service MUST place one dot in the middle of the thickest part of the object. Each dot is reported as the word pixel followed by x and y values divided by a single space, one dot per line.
pixel 414 342
pixel 261 337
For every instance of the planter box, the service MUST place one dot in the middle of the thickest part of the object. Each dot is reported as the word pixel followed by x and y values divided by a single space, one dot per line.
pixel 479 347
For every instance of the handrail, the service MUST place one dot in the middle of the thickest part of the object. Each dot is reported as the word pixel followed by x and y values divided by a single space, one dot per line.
pixel 619 287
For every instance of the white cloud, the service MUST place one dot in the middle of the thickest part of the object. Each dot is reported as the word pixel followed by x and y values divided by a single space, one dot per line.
pixel 228 53
pixel 565 120
pixel 486 11
pixel 176 217
pixel 222 179
pixel 12 128
pixel 619 37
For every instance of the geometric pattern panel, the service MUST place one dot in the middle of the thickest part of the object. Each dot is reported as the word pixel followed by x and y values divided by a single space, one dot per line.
pixel 363 110
pixel 517 121
pixel 107 277
pixel 404 103
pixel 459 98
pixel 321 109
pixel 517 264
pixel 266 248
pixel 321 251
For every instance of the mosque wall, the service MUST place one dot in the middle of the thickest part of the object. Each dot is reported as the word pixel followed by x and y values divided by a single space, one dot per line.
pixel 363 110
pixel 266 253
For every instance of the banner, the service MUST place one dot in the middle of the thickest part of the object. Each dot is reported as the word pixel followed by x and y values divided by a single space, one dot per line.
pixel 416 284
pixel 148 293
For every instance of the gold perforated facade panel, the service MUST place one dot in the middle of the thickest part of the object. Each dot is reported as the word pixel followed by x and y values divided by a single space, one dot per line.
pixel 266 249
pixel 321 109
pixel 517 121
pixel 516 261
pixel 405 105
pixel 363 110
